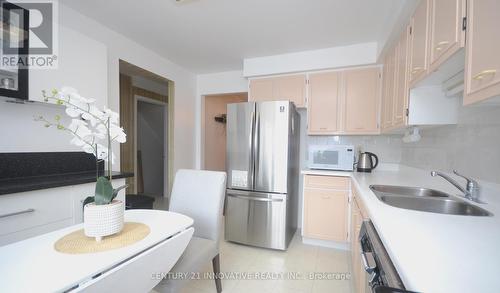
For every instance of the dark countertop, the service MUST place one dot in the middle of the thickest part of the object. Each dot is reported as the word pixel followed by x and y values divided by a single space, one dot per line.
pixel 21 184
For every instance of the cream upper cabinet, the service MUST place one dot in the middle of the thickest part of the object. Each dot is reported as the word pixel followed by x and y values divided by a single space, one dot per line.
pixel 292 88
pixel 323 103
pixel 388 90
pixel 400 101
pixel 482 65
pixel 261 90
pixel 361 100
pixel 447 35
pixel 325 207
pixel 289 87
pixel 419 42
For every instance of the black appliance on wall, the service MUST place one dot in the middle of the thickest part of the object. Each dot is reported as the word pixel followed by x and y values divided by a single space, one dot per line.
pixel 14 37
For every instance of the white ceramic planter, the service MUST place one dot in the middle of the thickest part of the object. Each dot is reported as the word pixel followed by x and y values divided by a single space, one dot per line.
pixel 103 220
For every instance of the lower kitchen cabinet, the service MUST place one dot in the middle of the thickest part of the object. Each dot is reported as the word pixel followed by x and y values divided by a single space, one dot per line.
pixel 325 207
pixel 28 214
pixel 358 214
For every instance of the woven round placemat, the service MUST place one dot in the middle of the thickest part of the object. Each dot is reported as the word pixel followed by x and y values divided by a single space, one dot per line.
pixel 77 243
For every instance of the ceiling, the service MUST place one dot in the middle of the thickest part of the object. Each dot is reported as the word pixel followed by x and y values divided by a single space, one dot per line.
pixel 206 36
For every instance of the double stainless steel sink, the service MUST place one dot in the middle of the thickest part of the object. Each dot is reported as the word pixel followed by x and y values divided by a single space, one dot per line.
pixel 426 200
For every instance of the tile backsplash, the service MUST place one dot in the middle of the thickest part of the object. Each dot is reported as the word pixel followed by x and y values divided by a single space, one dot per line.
pixel 471 147
pixel 386 147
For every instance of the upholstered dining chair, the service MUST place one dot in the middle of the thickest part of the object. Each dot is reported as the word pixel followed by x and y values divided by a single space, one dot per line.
pixel 199 195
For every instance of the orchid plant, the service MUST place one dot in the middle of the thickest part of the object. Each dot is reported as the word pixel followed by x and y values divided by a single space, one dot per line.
pixel 93 130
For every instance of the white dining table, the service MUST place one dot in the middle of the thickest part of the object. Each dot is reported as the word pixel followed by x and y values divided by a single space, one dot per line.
pixel 33 265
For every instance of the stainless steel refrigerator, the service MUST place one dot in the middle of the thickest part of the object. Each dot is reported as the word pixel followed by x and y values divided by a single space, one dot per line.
pixel 263 173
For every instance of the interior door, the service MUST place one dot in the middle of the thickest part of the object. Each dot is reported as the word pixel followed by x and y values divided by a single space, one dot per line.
pixel 271 146
pixel 240 135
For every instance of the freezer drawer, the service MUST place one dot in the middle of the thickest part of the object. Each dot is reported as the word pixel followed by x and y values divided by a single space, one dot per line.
pixel 258 219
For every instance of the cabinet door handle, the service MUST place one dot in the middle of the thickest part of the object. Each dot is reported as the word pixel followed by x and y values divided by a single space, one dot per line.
pixel 17 213
pixel 484 73
pixel 416 70
pixel 440 45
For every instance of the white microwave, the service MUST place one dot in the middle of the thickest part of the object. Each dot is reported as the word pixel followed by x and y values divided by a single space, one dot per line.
pixel 331 157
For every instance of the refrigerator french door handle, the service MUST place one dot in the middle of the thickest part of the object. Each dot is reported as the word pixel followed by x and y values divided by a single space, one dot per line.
pixel 256 198
pixel 256 147
pixel 252 150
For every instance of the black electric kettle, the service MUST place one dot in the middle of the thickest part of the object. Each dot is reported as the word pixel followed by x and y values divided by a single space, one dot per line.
pixel 365 162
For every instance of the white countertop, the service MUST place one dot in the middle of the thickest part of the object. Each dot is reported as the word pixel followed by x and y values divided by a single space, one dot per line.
pixel 33 265
pixel 434 252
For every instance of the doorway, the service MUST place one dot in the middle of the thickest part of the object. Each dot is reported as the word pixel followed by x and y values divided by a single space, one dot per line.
pixel 151 146
pixel 214 128
pixel 146 105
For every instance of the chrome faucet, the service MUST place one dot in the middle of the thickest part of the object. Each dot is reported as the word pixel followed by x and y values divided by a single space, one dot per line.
pixel 471 190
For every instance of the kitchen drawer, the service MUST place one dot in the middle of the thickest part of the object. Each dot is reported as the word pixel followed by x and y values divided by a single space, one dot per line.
pixel 26 210
pixel 327 182
pixel 35 231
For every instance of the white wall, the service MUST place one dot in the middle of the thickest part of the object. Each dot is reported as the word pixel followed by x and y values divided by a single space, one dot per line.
pixel 336 57
pixel 215 83
pixel 82 64
pixel 117 47
pixel 120 47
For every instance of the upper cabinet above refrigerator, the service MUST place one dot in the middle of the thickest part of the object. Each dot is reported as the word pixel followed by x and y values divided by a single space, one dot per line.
pixel 15 44
pixel 279 88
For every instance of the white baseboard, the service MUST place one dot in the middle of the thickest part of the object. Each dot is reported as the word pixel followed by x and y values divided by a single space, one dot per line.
pixel 325 243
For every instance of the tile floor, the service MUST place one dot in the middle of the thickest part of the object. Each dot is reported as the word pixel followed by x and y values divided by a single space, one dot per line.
pixel 299 258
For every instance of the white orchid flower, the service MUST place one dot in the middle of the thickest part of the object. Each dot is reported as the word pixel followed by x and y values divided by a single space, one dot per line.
pixel 74 95
pixel 91 127
pixel 113 116
pixel 117 133
pixel 88 149
pixel 73 112
pixel 80 128
pixel 92 115
pixel 77 141
pixel 102 152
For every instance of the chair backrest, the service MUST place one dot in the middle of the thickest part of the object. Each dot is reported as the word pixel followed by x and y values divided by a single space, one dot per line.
pixel 200 195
